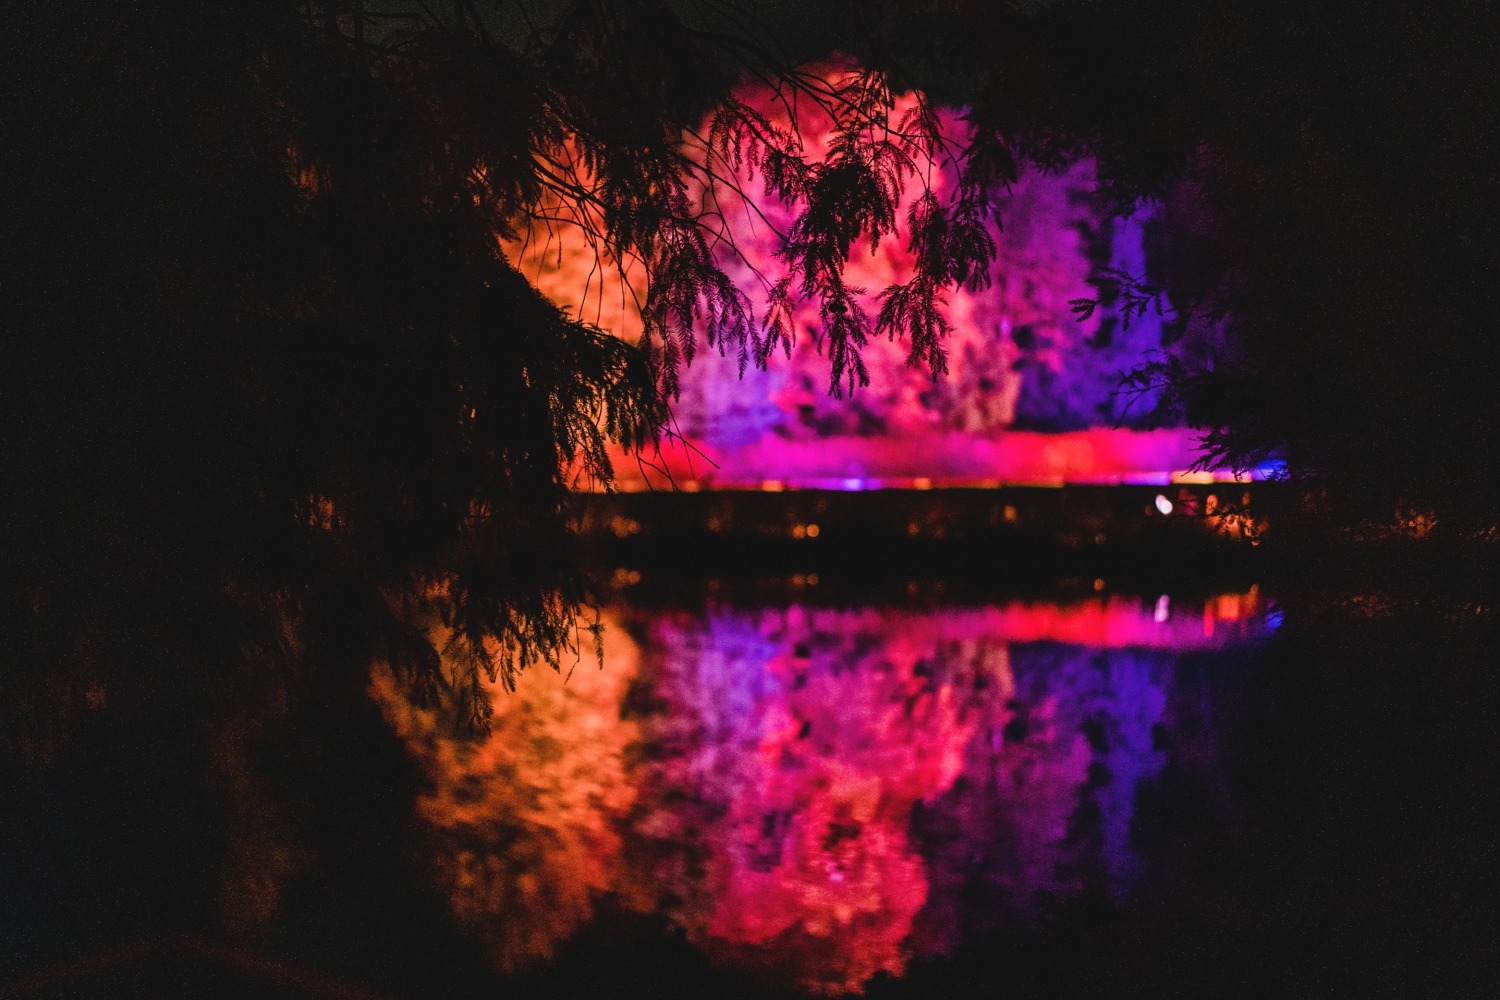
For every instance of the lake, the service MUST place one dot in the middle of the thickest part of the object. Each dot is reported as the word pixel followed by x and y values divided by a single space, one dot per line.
pixel 1025 742
pixel 820 794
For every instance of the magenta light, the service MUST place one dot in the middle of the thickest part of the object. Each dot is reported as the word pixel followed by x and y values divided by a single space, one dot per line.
pixel 1017 353
pixel 925 460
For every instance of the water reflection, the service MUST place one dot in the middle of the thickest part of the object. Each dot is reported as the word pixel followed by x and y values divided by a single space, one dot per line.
pixel 814 791
pixel 523 826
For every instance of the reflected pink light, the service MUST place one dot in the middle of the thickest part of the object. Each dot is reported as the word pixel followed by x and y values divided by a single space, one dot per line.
pixel 814 733
pixel 1119 623
pixel 753 775
pixel 808 736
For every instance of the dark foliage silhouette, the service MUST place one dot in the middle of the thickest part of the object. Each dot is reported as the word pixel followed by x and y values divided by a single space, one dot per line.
pixel 268 367
pixel 273 404
pixel 273 395
pixel 1327 179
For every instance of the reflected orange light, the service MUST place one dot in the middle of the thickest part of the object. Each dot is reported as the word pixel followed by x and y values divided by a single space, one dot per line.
pixel 522 821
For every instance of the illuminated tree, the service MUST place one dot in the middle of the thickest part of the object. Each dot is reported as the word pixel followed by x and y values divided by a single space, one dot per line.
pixel 1012 351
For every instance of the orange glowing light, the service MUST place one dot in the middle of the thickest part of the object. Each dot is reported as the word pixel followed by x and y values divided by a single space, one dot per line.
pixel 521 822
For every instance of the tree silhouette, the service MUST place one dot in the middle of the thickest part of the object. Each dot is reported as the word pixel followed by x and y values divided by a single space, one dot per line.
pixel 1328 178
pixel 273 393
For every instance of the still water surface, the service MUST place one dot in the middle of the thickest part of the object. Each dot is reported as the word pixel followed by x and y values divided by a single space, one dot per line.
pixel 824 794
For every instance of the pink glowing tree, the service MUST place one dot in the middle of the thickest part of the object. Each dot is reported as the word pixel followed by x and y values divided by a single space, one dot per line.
pixel 1002 343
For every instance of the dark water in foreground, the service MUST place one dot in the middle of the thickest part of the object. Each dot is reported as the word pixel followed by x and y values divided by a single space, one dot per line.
pixel 1091 794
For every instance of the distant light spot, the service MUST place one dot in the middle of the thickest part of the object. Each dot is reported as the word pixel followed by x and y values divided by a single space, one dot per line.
pixel 1163 609
pixel 812 531
pixel 1163 504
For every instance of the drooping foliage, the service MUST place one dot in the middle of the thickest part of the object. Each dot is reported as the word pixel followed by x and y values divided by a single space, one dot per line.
pixel 274 393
